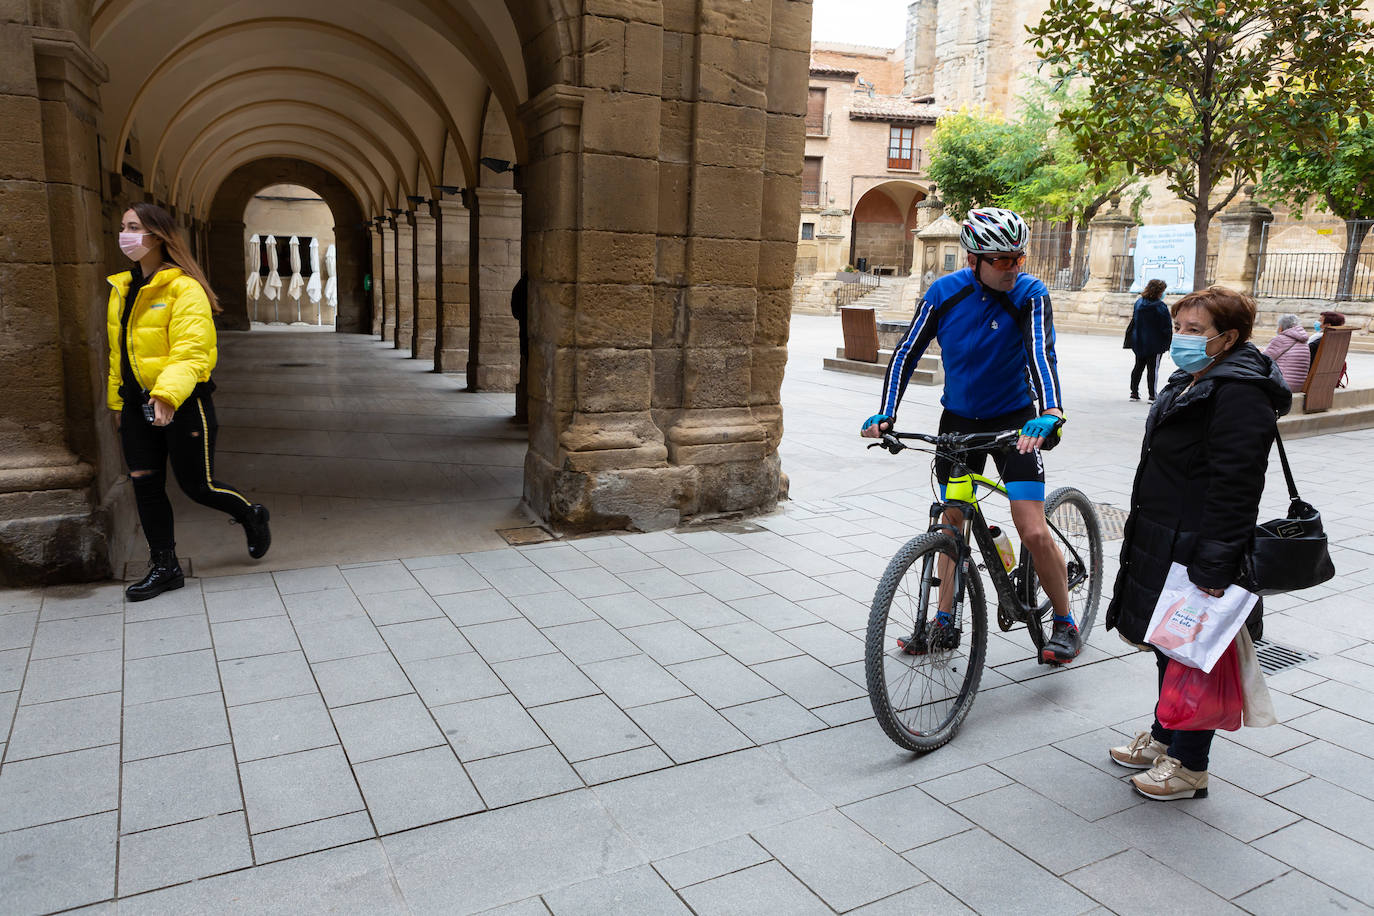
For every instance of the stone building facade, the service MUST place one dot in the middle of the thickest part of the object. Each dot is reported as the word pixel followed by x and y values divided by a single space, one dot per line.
pixel 640 160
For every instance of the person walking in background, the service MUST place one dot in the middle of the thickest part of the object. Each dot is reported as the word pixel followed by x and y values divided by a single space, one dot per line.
pixel 1289 350
pixel 1195 500
pixel 1148 336
pixel 162 351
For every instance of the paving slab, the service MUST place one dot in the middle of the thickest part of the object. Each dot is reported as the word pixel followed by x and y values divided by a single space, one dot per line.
pixel 412 789
pixel 763 889
pixel 296 788
pixel 838 860
pixel 58 866
pixel 183 852
pixel 983 873
pixel 711 861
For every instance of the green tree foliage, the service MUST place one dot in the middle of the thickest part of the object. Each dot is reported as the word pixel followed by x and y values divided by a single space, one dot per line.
pixel 1339 178
pixel 1202 91
pixel 1060 185
pixel 976 157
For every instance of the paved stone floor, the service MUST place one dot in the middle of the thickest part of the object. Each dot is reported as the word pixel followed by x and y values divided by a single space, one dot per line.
pixel 393 720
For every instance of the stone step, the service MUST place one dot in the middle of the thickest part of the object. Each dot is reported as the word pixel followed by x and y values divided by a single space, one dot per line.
pixel 928 371
pixel 1302 425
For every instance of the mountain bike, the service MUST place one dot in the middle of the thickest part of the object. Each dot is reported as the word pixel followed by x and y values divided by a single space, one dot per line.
pixel 923 668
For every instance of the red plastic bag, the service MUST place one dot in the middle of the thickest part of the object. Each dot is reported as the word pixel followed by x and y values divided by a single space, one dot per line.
pixel 1190 699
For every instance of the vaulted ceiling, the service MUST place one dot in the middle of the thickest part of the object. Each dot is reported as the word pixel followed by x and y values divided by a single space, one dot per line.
pixel 389 95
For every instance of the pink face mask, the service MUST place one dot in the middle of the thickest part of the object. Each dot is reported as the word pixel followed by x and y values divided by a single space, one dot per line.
pixel 132 244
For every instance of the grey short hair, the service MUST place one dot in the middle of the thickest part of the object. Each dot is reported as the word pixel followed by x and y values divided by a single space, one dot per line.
pixel 1287 321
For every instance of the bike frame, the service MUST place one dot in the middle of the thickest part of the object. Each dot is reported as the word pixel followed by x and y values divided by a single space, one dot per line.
pixel 961 495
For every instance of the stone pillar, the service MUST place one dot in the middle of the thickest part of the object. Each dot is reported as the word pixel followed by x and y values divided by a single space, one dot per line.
pixel 60 520
pixel 422 339
pixel 1107 240
pixel 1242 235
pixel 390 289
pixel 225 263
pixel 494 355
pixel 378 236
pixel 941 252
pixel 405 282
pixel 452 236
pixel 831 248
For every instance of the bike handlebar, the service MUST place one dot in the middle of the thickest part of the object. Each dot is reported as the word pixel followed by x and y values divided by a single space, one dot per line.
pixel 950 442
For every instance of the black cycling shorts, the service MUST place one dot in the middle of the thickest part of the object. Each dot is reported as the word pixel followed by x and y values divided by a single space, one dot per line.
pixel 1023 475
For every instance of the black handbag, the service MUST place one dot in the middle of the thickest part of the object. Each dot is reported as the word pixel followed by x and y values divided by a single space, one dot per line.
pixel 1288 554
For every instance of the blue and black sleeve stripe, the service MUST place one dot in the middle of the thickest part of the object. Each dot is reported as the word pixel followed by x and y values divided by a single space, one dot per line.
pixel 908 353
pixel 1038 329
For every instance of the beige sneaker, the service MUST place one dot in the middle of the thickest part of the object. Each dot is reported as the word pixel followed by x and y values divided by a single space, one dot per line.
pixel 1168 779
pixel 1140 754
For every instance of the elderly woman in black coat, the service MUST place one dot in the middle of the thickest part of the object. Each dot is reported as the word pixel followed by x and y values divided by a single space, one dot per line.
pixel 1196 499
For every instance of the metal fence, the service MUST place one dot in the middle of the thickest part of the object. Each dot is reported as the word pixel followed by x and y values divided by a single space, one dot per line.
pixel 865 284
pixel 1123 272
pixel 1290 266
pixel 1059 257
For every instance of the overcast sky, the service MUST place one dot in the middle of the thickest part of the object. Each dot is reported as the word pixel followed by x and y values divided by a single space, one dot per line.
pixel 881 23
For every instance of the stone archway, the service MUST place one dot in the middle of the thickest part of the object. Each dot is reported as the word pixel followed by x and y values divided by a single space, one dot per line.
pixel 225 261
pixel 882 224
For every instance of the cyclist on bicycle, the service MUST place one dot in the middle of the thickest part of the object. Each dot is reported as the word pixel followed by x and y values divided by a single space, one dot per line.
pixel 996 335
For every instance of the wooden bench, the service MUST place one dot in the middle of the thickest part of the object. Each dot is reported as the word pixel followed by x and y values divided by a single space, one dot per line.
pixel 1327 368
pixel 860 327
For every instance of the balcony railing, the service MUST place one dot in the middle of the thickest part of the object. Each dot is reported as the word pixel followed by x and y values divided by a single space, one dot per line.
pixel 815 197
pixel 901 164
pixel 818 128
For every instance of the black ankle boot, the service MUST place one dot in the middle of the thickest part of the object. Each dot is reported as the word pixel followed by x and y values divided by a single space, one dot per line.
pixel 255 528
pixel 164 574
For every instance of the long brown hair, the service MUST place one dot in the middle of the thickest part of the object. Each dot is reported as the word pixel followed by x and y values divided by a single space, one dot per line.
pixel 158 223
pixel 1154 288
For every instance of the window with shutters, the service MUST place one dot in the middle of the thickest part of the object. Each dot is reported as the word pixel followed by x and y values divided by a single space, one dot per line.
pixel 811 180
pixel 815 112
pixel 900 141
pixel 808 231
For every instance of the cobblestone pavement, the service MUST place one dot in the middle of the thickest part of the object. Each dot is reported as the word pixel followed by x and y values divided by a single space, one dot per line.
pixel 667 723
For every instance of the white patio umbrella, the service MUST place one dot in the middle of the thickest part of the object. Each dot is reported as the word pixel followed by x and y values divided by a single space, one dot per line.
pixel 331 269
pixel 272 287
pixel 254 274
pixel 315 288
pixel 297 284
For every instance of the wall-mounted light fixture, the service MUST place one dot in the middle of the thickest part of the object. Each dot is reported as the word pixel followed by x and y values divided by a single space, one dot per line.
pixel 497 165
pixel 448 189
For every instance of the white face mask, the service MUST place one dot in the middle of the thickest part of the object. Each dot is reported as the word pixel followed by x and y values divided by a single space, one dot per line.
pixel 132 244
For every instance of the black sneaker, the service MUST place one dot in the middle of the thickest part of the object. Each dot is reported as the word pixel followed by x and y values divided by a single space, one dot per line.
pixel 256 530
pixel 1064 644
pixel 942 636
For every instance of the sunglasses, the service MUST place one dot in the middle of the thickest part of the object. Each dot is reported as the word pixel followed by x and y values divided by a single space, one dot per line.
pixel 1004 263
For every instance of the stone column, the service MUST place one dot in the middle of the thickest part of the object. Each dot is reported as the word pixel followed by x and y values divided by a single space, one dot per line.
pixel 390 289
pixel 60 520
pixel 452 238
pixel 224 263
pixel 405 282
pixel 378 236
pixel 422 339
pixel 1242 234
pixel 1108 239
pixel 831 250
pixel 494 355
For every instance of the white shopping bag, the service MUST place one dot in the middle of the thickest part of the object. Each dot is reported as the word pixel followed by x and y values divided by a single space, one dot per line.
pixel 1193 627
pixel 1259 706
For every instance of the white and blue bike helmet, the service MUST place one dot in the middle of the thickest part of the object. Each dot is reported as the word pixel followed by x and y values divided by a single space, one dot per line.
pixel 992 230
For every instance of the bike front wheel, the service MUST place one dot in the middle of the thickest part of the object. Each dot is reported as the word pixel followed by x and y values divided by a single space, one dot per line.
pixel 1077 532
pixel 923 672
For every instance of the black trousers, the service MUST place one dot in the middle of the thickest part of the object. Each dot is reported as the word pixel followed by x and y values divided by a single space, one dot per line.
pixel 1189 748
pixel 1145 363
pixel 189 443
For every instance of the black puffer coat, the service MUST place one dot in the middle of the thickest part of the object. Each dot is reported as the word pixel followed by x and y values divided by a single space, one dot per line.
pixel 1197 490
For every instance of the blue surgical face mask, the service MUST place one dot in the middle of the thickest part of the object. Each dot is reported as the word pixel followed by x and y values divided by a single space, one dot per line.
pixel 1189 351
pixel 1316 326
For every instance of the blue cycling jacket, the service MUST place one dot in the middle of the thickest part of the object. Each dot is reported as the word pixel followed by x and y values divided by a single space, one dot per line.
pixel 998 348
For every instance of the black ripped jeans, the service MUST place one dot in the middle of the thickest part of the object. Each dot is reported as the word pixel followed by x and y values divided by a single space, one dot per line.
pixel 189 442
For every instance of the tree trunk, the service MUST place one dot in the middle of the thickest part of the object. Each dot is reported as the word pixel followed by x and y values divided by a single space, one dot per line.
pixel 1202 219
pixel 1355 231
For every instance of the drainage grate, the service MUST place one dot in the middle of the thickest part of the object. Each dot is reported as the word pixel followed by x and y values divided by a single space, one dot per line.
pixel 1113 521
pixel 1274 657
pixel 301 365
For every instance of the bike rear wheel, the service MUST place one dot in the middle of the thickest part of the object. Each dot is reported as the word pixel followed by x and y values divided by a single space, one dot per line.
pixel 1078 533
pixel 921 694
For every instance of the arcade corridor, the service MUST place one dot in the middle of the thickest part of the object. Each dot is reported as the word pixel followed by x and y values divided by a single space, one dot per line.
pixel 358 451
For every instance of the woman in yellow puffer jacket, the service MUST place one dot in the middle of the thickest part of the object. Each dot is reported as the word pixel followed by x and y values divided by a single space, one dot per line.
pixel 162 351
